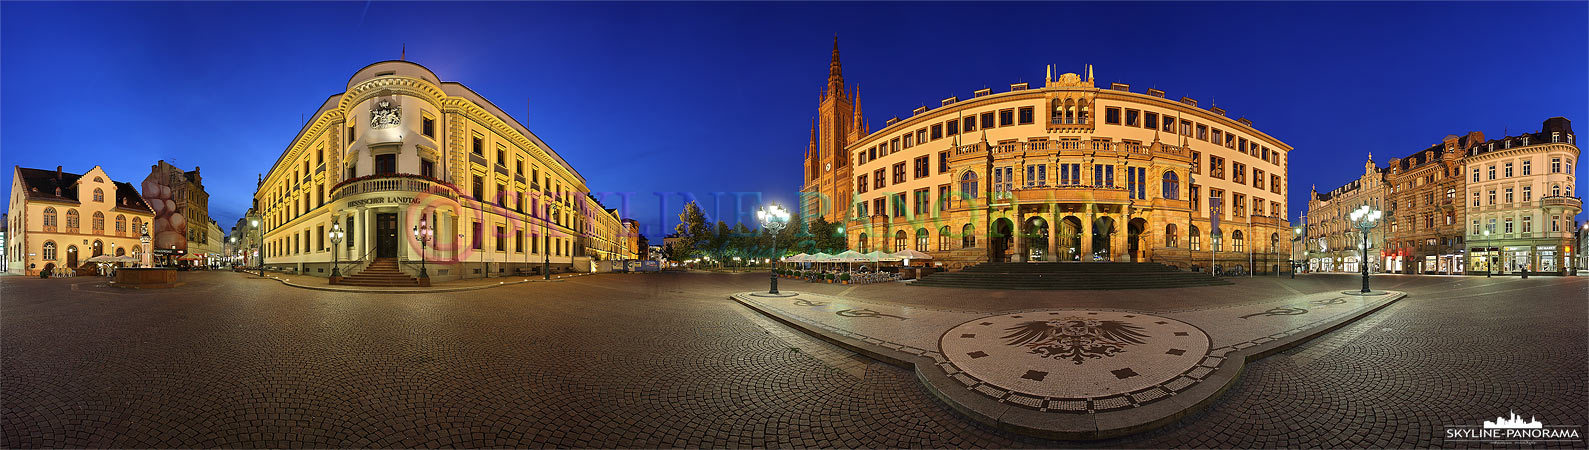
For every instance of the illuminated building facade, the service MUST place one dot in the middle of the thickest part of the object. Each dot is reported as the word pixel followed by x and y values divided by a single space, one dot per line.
pixel 399 149
pixel 61 219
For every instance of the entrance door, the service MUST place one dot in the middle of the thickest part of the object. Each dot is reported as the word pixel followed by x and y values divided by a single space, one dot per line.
pixel 1036 236
pixel 386 235
pixel 1000 239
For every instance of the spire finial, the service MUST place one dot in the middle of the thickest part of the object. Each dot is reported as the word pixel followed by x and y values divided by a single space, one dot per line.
pixel 404 55
pixel 835 73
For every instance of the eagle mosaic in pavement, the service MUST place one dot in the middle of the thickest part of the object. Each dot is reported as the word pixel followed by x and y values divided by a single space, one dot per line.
pixel 1075 338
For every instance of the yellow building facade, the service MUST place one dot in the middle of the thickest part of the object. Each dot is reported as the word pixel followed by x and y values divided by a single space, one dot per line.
pixel 60 219
pixel 1066 171
pixel 399 151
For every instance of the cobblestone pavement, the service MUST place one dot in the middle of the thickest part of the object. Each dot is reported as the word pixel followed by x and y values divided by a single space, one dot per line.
pixel 666 360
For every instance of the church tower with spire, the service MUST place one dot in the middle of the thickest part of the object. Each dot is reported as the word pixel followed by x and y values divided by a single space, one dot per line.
pixel 828 184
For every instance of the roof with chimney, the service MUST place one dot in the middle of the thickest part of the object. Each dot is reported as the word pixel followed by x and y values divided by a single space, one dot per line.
pixel 59 186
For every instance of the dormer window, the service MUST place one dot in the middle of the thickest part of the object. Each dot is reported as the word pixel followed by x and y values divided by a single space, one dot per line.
pixel 1555 136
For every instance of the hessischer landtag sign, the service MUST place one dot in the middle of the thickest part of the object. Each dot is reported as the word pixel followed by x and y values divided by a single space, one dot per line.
pixel 384 200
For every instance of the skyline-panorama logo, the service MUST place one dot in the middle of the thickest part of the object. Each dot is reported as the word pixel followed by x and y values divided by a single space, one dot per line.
pixel 1513 429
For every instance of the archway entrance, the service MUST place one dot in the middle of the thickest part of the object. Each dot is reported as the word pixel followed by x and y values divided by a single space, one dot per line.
pixel 1134 231
pixel 98 248
pixel 71 257
pixel 1000 238
pixel 1102 229
pixel 1069 239
pixel 1036 238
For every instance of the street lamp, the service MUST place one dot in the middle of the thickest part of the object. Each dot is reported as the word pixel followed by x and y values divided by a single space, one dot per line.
pixel 773 218
pixel 1296 235
pixel 423 233
pixel 336 235
pixel 260 245
pixel 546 250
pixel 1364 218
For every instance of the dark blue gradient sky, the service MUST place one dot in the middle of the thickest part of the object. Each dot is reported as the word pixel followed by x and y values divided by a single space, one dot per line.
pixel 718 97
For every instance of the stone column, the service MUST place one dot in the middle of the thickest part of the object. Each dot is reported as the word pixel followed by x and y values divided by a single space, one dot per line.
pixel 1053 232
pixel 1019 253
pixel 1086 234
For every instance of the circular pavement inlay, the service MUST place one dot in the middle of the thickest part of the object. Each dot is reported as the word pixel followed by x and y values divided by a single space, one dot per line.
pixel 1074 353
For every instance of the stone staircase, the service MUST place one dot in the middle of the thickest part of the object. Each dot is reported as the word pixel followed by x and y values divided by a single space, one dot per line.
pixel 382 272
pixel 1070 276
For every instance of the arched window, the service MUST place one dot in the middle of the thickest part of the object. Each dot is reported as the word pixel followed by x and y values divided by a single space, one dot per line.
pixel 1238 243
pixel 968 237
pixel 1169 236
pixel 99 222
pixel 99 195
pixel 862 244
pixel 137 226
pixel 1193 238
pixel 1274 242
pixel 968 184
pixel 121 224
pixel 1081 117
pixel 1216 238
pixel 899 241
pixel 943 238
pixel 121 251
pixel 71 220
pixel 921 239
pixel 49 250
pixel 49 219
pixel 1172 185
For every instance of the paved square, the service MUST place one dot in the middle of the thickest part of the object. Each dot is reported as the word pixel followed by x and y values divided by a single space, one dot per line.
pixel 640 361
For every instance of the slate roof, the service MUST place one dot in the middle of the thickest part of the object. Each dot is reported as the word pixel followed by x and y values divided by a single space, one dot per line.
pixel 41 184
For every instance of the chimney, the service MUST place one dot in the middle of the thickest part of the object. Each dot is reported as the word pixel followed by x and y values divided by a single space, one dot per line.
pixel 57 173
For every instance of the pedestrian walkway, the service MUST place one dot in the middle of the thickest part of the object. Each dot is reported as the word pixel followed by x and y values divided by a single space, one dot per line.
pixel 320 284
pixel 1071 373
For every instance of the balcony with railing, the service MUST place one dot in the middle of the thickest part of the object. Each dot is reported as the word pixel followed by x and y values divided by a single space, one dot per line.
pixel 1561 201
pixel 393 183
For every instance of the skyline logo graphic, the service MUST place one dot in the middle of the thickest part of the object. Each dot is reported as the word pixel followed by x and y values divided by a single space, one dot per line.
pixel 1513 430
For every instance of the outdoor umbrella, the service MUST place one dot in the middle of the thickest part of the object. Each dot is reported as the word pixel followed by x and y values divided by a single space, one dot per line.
pixel 908 254
pixel 101 258
pixel 849 256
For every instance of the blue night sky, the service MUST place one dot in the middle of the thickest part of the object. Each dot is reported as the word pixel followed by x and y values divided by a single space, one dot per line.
pixel 718 97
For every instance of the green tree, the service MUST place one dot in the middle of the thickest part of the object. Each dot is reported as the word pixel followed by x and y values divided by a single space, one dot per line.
pixel 692 230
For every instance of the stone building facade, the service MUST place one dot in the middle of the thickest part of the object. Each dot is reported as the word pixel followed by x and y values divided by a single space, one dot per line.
pixel 398 150
pixel 1332 243
pixel 1521 201
pixel 1424 214
pixel 60 219
pixel 1067 171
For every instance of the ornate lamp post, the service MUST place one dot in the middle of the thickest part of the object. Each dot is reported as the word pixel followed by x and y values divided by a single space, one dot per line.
pixel 336 235
pixel 1296 235
pixel 260 261
pixel 1364 218
pixel 773 218
pixel 423 233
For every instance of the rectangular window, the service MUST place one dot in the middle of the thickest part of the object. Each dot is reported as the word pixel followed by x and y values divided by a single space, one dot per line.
pixel 922 167
pixel 878 179
pixel 1238 173
pixel 937 131
pixel 1131 117
pixel 1555 166
pixel 899 204
pixel 921 136
pixel 860 210
pixel 943 161
pixel 923 202
pixel 479 187
pixel 501 244
pixel 1240 208
pixel 1111 116
pixel 1508 195
pixel 1492 171
pixel 428 127
pixel 1216 167
pixel 1475 199
pixel 968 124
pixel 1202 132
pixel 1274 184
pixel 952 127
pixel 1528 167
pixel 899 173
pixel 987 120
pixel 1219 136
pixel 1103 175
pixel 1195 201
pixel 502 194
pixel 1150 120
pixel 427 168
pixel 1507 173
pixel 943 198
pixel 910 140
pixel 1197 162
pixel 479 145
pixel 1257 178
pixel 860 184
pixel 1006 117
pixel 1027 115
pixel 475 244
pixel 1186 128
pixel 350 134
pixel 871 153
pixel 1528 193
pixel 878 207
